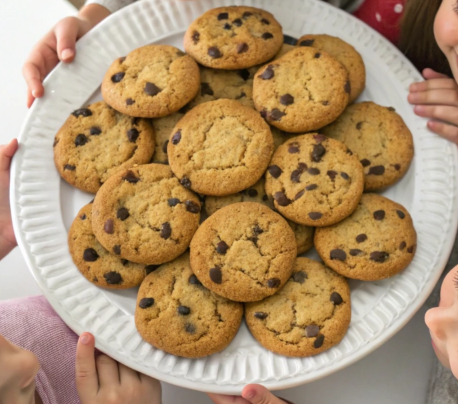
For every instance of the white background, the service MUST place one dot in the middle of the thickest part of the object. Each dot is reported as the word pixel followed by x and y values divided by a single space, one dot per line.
pixel 397 372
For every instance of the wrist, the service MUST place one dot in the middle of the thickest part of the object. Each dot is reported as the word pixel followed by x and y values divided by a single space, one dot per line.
pixel 91 15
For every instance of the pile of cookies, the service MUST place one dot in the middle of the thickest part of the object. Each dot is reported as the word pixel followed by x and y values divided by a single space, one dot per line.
pixel 262 135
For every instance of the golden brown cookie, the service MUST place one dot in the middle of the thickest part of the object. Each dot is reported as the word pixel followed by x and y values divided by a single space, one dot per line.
pixel 244 252
pixel 309 315
pixel 377 241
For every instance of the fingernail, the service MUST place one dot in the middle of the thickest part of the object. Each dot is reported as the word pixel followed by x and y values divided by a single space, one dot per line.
pixel 418 109
pixel 34 93
pixel 84 339
pixel 250 394
pixel 67 53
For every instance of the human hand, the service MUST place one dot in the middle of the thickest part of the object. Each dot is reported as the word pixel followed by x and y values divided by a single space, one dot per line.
pixel 251 394
pixel 103 380
pixel 7 238
pixel 437 98
pixel 58 45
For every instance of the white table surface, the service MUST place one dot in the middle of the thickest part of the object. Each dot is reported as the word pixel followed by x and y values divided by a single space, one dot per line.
pixel 397 372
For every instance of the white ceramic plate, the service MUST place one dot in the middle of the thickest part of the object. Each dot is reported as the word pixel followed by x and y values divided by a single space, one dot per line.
pixel 44 206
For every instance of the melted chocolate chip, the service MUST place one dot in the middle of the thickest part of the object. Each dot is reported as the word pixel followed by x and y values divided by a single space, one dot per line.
pixel 124 262
pixel 293 148
pixel 317 55
pixel 130 101
pixel 82 112
pixel 325 103
pixel 80 140
pixel 146 302
pixel 247 14
pixel 379 256
pixel 397 167
pixel 318 152
pixel 261 315
pixel 95 131
pixel 130 177
pixel 312 331
pixel 315 215
pixel 296 176
pixel 401 214
pixel 338 254
pixel 216 275
pixel 265 22
pixel 307 42
pixel 223 16
pixel 355 252
pixel 265 198
pixel 267 35
pixel 205 89
pixel 186 182
pixel 214 52
pixel 132 135
pixel 69 167
pixel 190 328
pixel 275 171
pixel 164 146
pixel 183 310
pixel 391 109
pixel 90 255
pixel 257 230
pixel 166 231
pixel 319 341
pixel 411 249
pixel 360 238
pixel 365 162
pixel 242 47
pixel 122 214
pixel 83 216
pixel 319 138
pixel 227 26
pixel 276 114
pixel 336 298
pixel 402 245
pixel 221 248
pixel 281 199
pixel 192 207
pixel 311 187
pixel 122 59
pixel 113 278
pixel 194 281
pixel 286 99
pixel 313 171
pixel 117 249
pixel 379 215
pixel 151 268
pixel 299 277
pixel 332 174
pixel 116 78
pixel 108 227
pixel 173 202
pixel 268 73
pixel 237 22
pixel 345 176
pixel 195 37
pixel 252 193
pixel 273 283
pixel 151 89
pixel 176 138
pixel 244 74
pixel 299 194
pixel 347 87
pixel 377 170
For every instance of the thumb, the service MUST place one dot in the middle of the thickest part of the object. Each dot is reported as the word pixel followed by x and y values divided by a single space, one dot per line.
pixel 429 74
pixel 257 394
pixel 86 374
pixel 66 35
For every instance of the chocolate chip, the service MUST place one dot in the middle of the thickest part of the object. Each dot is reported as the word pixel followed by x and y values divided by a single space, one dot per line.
pixel 345 176
pixel 299 277
pixel 265 22
pixel 365 162
pixel 192 207
pixel 319 341
pixel 293 148
pixel 116 78
pixel 379 256
pixel 190 328
pixel 195 37
pixel 94 279
pixel 83 216
pixel 244 74
pixel 242 47
pixel 299 194
pixel 302 166
pixel 183 310
pixel 325 103
pixel 151 268
pixel 122 214
pixel 338 254
pixel 186 182
pixel 275 171
pixel 69 167
pixel 166 230
pixel 130 101
pixel 261 315
pixel 267 35
pixel 223 16
pixel 125 262
pixel 336 298
pixel 82 112
pixel 257 230
pixel 410 249
pixel 355 252
pixel 397 167
pixel 263 113
pixel 317 55
pixel 122 59
pixel 151 89
pixel 312 331
pixel 95 131
pixel 311 187
pixel 247 14
pixel 146 302
pixel 332 174
pixel 296 176
pixel 391 109
pixel 90 255
pixel 273 283
pixel 287 99
pixel 315 215
pixel 130 177
pixel 132 135
pixel 113 278
pixel 281 199
pixel 55 142
pixel 237 22
pixel 319 138
pixel 307 42
pixel 377 170
pixel 164 146
pixel 318 152
pixel 402 245
pixel 227 26
pixel 360 238
pixel 80 140
pixel 108 227
pixel 214 52
pixel 265 198
pixel 401 214
pixel 313 171
pixel 221 248
pixel 173 202
pixel 347 87
pixel 216 275
pixel 176 138
pixel 359 125
pixel 276 114
pixel 268 73
pixel 205 89
pixel 117 249
pixel 194 281
pixel 379 215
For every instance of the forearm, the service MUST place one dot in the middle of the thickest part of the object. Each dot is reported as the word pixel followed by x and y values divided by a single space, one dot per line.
pixel 6 246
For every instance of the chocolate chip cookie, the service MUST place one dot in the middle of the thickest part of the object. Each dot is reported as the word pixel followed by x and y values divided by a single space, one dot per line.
pixel 256 193
pixel 302 91
pixel 177 314
pixel 244 252
pixel 144 215
pixel 309 315
pixel 96 264
pixel 96 142
pixel 220 148
pixel 377 241
pixel 380 138
pixel 314 180
pixel 233 37
pixel 344 53
pixel 163 128
pixel 151 82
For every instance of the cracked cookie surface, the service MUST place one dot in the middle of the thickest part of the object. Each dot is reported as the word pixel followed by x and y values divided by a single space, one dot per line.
pixel 244 252
pixel 381 140
pixel 96 264
pixel 302 91
pixel 144 215
pixel 256 193
pixel 233 37
pixel 377 241
pixel 345 54
pixel 220 148
pixel 314 180
pixel 163 128
pixel 151 82
pixel 96 142
pixel 177 314
pixel 309 315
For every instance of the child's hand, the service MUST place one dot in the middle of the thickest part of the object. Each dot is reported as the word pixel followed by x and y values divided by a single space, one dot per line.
pixel 7 238
pixel 251 394
pixel 437 98
pixel 103 380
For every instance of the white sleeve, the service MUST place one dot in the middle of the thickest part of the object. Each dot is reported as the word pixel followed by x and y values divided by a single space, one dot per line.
pixel 111 5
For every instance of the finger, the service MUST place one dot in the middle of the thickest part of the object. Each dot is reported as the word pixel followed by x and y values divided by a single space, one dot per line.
pixel 434 97
pixel 439 112
pixel 30 98
pixel 6 154
pixel 223 399
pixel 447 131
pixel 107 371
pixel 66 34
pixel 127 375
pixel 32 76
pixel 257 394
pixel 86 375
pixel 436 84
pixel 429 74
